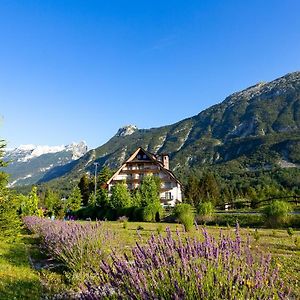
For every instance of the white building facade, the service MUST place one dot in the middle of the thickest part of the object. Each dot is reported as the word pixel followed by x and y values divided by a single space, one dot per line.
pixel 142 163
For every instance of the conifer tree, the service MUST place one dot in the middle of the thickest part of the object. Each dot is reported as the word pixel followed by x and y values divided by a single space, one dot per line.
pixel 103 176
pixel 84 186
pixel 3 175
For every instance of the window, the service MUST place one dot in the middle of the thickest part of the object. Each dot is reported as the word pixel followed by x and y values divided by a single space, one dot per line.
pixel 168 195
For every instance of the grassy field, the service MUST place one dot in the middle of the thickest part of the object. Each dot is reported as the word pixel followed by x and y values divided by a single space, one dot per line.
pixel 285 249
pixel 19 281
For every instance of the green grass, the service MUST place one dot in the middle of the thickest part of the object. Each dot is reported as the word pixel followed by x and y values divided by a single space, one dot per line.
pixel 284 251
pixel 17 279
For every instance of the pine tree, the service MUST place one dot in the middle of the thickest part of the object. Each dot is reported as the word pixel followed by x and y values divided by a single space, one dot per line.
pixel 209 188
pixel 10 223
pixel 191 191
pixel 3 175
pixel 84 186
pixel 103 176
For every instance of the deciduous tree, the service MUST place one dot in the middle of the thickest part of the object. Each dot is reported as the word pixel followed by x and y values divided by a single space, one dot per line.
pixel 120 196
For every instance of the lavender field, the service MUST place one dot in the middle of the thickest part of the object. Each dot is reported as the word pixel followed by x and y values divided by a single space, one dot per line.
pixel 99 260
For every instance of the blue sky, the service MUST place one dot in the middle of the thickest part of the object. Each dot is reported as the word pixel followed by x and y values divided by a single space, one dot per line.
pixel 78 70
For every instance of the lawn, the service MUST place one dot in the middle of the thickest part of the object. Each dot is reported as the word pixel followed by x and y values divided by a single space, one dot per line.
pixel 19 280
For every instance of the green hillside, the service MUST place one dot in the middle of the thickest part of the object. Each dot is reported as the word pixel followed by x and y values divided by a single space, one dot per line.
pixel 257 129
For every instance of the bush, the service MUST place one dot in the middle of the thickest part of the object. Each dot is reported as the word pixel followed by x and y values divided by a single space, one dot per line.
pixel 173 268
pixel 277 213
pixel 290 231
pixel 183 208
pixel 124 220
pixel 184 214
pixel 256 235
pixel 187 220
pixel 159 229
pixel 152 212
pixel 206 212
pixel 79 246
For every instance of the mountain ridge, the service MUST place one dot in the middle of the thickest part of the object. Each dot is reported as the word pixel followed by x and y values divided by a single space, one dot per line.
pixel 29 163
pixel 259 125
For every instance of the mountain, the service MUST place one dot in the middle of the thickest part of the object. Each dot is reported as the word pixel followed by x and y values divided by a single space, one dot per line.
pixel 254 129
pixel 29 163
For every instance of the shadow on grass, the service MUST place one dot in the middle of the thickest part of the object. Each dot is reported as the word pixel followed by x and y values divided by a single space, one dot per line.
pixel 12 288
pixel 17 279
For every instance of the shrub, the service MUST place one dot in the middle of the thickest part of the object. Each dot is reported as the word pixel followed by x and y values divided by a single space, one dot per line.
pixel 187 220
pixel 173 268
pixel 79 246
pixel 152 212
pixel 124 221
pixel 277 213
pixel 184 214
pixel 256 235
pixel 206 212
pixel 159 228
pixel 183 208
pixel 290 231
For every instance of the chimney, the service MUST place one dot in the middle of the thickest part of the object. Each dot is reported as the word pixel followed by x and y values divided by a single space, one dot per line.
pixel 165 160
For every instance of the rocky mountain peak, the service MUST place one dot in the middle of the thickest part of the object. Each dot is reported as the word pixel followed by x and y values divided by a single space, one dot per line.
pixel 126 130
pixel 285 84
pixel 77 149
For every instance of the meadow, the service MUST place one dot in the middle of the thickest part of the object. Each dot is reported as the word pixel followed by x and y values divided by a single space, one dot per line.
pixel 57 276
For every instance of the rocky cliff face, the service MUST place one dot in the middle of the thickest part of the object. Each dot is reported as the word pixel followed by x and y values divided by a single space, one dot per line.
pixel 263 120
pixel 126 130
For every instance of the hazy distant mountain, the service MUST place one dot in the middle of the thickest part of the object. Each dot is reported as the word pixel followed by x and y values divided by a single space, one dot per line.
pixel 257 128
pixel 29 163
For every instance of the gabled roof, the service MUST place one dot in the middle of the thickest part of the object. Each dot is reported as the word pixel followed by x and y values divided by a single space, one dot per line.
pixel 152 158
